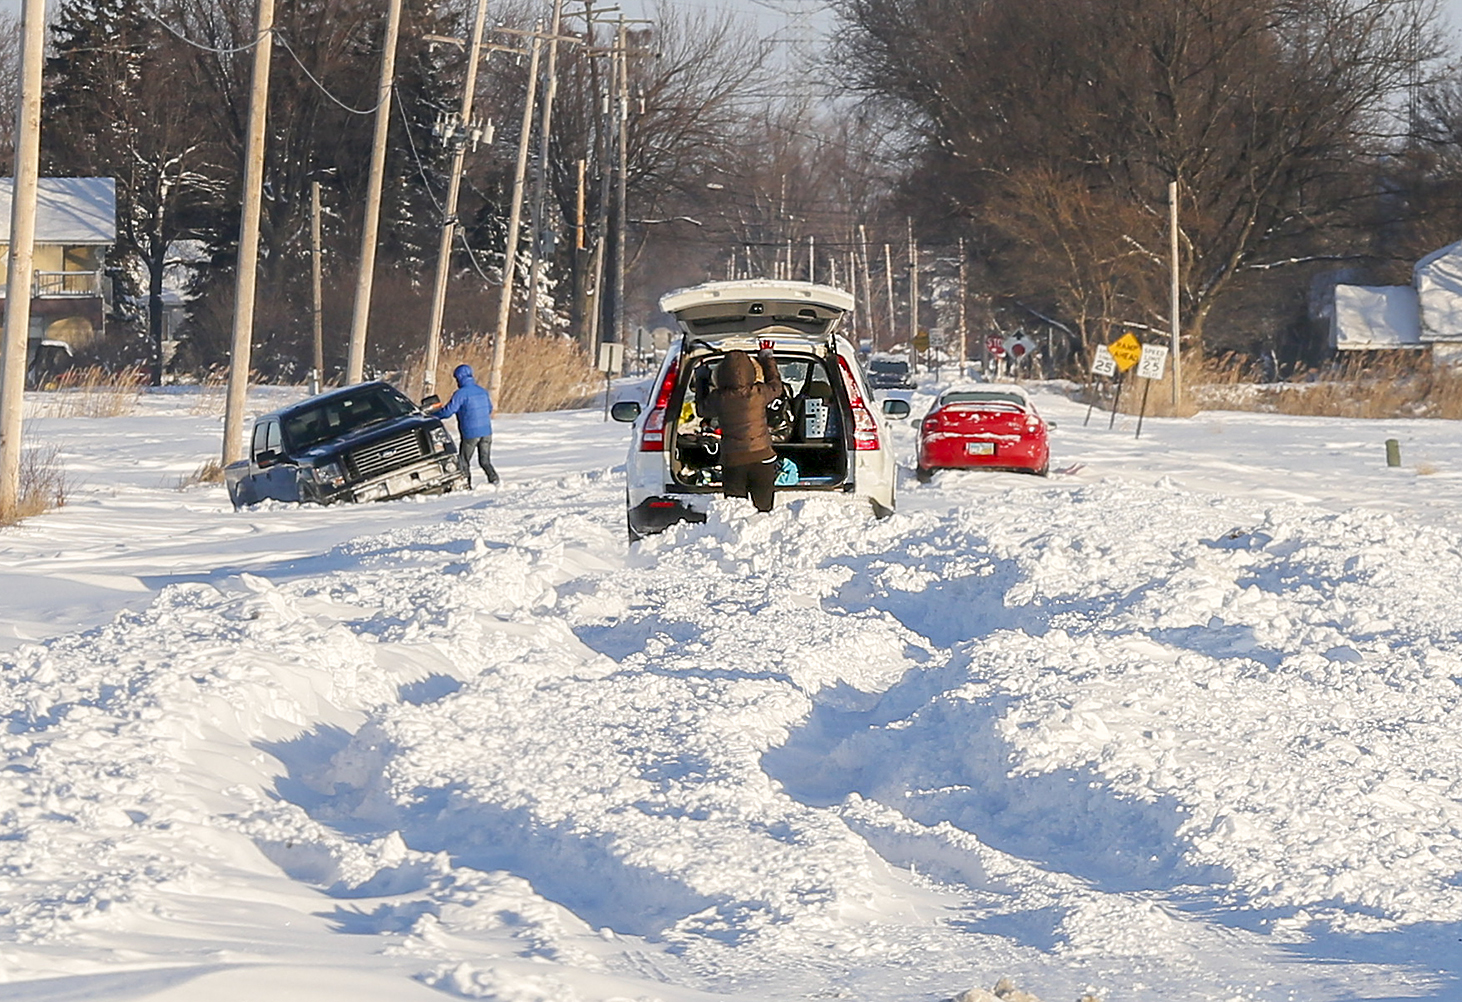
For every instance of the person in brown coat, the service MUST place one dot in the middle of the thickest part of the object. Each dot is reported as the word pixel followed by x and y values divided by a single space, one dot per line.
pixel 739 402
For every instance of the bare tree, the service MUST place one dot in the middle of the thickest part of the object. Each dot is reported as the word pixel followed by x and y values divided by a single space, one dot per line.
pixel 1267 112
pixel 9 83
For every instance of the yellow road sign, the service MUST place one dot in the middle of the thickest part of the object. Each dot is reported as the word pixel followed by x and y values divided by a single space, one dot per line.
pixel 1126 351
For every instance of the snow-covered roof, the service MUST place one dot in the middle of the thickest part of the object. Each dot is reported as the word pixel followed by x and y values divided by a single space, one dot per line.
pixel 1375 316
pixel 1438 281
pixel 69 210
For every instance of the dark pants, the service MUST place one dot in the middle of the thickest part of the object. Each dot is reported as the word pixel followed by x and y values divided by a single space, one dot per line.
pixel 757 478
pixel 483 447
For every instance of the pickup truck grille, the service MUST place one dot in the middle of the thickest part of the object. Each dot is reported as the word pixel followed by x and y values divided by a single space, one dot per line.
pixel 386 455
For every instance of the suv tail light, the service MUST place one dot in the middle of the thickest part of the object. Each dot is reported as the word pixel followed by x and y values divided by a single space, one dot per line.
pixel 865 429
pixel 652 435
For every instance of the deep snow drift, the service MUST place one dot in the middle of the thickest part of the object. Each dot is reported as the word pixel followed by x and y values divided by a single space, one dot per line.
pixel 1182 723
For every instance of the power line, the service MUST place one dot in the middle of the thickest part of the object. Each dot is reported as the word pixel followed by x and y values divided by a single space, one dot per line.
pixel 148 9
pixel 279 37
pixel 426 184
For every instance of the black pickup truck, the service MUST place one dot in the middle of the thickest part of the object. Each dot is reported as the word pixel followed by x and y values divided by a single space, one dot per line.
pixel 366 442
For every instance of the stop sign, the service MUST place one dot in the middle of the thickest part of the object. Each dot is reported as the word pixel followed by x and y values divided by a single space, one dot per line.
pixel 995 345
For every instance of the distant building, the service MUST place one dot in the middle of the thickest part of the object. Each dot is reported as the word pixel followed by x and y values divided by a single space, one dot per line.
pixel 1369 317
pixel 76 225
pixel 1425 314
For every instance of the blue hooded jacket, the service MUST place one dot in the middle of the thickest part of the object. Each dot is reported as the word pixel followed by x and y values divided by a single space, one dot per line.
pixel 470 403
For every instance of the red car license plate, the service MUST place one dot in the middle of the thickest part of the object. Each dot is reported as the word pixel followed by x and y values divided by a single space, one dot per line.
pixel 980 448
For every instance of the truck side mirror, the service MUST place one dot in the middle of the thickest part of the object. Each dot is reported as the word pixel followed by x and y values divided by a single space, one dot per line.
pixel 266 458
pixel 896 408
pixel 429 401
pixel 625 410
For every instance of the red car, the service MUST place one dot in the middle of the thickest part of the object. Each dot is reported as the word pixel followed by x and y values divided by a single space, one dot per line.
pixel 991 427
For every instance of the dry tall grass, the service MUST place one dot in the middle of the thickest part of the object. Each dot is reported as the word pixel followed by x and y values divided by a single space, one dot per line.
pixel 539 373
pixel 210 471
pixel 43 485
pixel 93 392
pixel 212 395
pixel 1399 384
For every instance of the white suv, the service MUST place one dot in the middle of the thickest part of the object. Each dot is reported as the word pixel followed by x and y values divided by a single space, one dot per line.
pixel 827 429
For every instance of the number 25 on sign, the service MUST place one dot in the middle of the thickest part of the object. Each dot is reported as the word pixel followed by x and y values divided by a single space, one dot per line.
pixel 1154 360
pixel 1102 362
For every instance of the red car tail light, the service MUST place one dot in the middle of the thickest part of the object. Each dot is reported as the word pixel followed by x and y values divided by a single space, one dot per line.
pixel 865 428
pixel 652 436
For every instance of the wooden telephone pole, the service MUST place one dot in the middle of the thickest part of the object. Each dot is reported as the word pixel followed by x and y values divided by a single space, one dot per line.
pixel 540 175
pixel 22 254
pixel 515 219
pixel 316 308
pixel 1174 293
pixel 913 298
pixel 893 329
pixel 248 259
pixel 360 322
pixel 461 127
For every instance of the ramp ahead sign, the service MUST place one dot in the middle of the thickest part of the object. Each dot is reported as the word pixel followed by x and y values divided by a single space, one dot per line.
pixel 1126 351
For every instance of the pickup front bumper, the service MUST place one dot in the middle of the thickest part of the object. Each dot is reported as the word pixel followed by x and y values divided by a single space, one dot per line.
pixel 439 473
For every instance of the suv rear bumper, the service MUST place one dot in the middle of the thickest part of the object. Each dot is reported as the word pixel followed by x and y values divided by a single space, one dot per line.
pixel 658 513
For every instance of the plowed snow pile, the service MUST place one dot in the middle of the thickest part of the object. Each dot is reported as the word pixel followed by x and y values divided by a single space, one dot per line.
pixel 1184 724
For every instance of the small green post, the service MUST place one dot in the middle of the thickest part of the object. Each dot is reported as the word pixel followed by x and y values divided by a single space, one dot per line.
pixel 1393 452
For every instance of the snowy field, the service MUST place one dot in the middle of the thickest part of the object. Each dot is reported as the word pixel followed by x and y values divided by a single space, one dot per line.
pixel 1182 722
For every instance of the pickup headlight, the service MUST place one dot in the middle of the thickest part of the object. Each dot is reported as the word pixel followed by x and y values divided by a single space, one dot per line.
pixel 332 474
pixel 441 438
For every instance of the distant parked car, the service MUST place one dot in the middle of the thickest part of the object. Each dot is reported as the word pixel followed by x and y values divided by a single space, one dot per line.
pixel 889 374
pixel 991 426
pixel 45 361
pixel 366 442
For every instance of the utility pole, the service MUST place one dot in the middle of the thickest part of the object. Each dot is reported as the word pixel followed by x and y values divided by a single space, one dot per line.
pixel 248 256
pixel 540 175
pixel 1174 290
pixel 355 367
pixel 459 132
pixel 318 374
pixel 964 282
pixel 22 254
pixel 811 258
pixel 515 218
pixel 893 330
pixel 580 318
pixel 581 204
pixel 622 193
pixel 867 286
pixel 913 296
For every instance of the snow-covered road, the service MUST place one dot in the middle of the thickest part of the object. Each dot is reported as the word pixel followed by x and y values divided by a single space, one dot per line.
pixel 1184 723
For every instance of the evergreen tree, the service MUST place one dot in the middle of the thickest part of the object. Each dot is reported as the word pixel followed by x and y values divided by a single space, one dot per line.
pixel 119 105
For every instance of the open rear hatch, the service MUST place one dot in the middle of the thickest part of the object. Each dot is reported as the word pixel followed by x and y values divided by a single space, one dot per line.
pixel 798 321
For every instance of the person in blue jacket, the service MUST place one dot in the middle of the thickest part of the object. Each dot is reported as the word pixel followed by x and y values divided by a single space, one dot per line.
pixel 473 408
